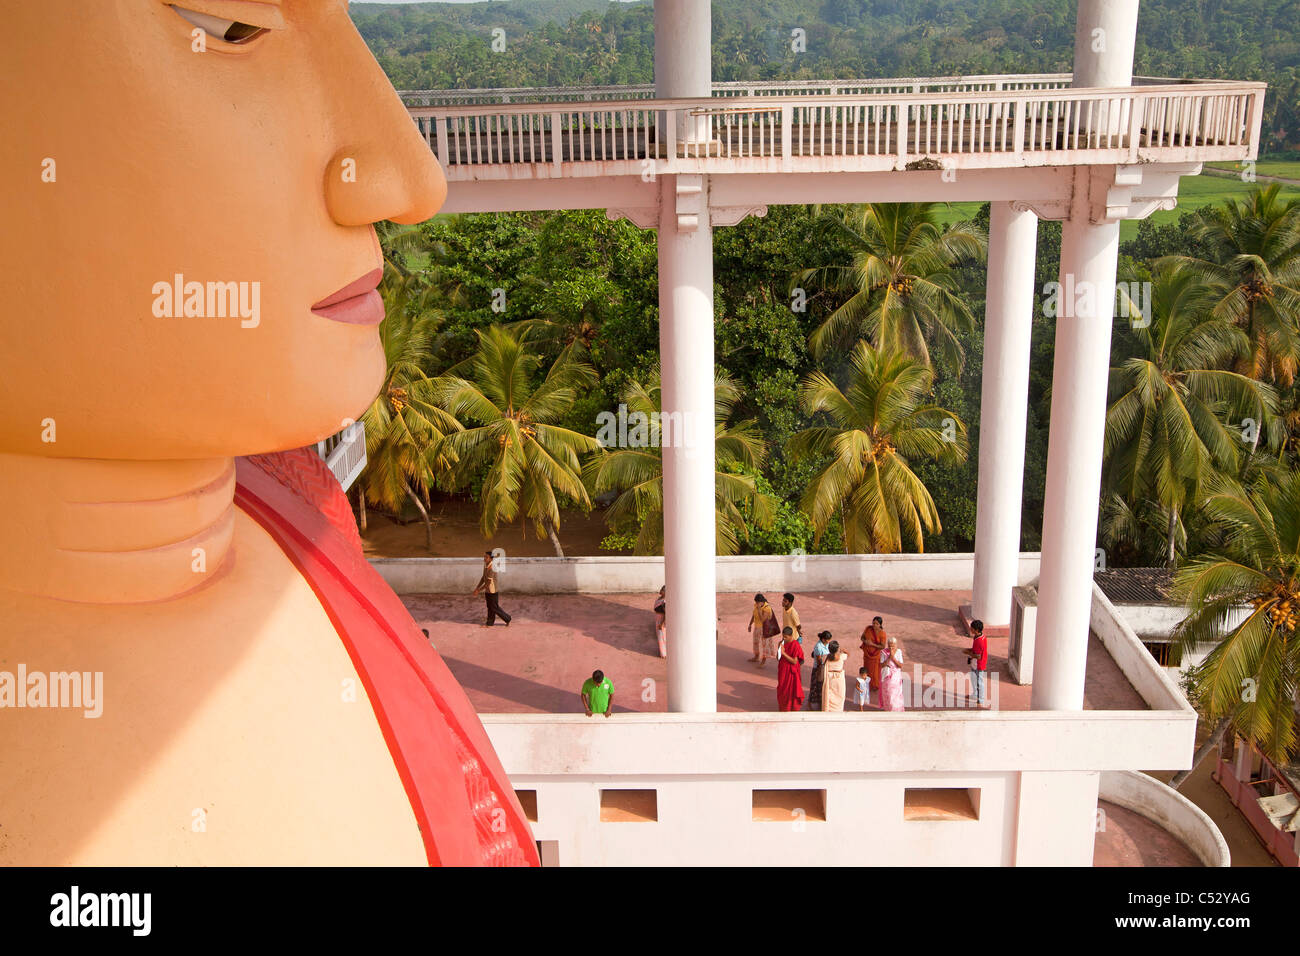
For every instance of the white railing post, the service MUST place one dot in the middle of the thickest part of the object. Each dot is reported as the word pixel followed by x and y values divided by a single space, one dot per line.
pixel 1256 123
pixel 557 142
pixel 1018 132
pixel 903 109
pixel 670 128
pixel 1136 109
pixel 787 138
pixel 440 133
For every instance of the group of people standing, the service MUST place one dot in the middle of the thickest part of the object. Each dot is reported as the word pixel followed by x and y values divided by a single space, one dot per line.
pixel 881 670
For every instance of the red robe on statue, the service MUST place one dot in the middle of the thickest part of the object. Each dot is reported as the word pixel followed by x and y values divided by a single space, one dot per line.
pixel 465 805
pixel 789 685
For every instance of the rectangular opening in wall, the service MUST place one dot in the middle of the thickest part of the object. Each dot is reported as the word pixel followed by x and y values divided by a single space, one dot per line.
pixel 941 803
pixel 782 806
pixel 629 806
pixel 528 800
pixel 549 851
pixel 1166 654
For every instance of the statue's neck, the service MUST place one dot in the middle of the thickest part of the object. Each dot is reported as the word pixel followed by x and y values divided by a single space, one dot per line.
pixel 113 532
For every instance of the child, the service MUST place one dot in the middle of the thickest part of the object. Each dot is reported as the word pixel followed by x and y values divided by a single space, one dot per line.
pixel 864 691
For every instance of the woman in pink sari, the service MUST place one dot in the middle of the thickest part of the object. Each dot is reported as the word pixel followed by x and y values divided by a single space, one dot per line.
pixel 891 676
pixel 789 685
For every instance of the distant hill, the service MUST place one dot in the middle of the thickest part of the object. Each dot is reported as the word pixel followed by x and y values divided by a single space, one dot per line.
pixel 580 42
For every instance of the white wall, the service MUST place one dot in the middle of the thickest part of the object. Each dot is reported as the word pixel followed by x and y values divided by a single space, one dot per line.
pixel 621 575
pixel 1036 773
pixel 1152 622
pixel 708 822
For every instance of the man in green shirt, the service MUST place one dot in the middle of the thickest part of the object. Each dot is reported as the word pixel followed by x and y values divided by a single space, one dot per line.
pixel 598 694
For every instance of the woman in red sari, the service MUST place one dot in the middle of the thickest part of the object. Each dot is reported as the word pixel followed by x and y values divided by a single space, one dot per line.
pixel 789 686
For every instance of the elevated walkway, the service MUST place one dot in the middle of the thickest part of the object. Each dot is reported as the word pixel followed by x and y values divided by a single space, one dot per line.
pixel 954 128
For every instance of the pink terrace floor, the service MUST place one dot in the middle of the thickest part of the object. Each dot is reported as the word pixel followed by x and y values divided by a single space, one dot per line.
pixel 1125 838
pixel 555 641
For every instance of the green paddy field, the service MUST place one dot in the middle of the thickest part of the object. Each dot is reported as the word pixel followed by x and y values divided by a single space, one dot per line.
pixel 1193 193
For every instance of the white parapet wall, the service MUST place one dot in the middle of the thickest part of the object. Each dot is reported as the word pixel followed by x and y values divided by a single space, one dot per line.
pixel 1147 677
pixel 623 575
pixel 797 789
pixel 1168 809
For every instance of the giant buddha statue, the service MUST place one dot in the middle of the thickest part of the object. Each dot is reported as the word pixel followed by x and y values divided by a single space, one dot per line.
pixel 189 303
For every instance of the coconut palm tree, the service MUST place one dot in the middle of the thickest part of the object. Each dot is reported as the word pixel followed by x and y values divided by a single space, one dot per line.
pixel 1249 680
pixel 636 472
pixel 404 424
pixel 902 282
pixel 531 465
pixel 1254 272
pixel 1168 427
pixel 879 422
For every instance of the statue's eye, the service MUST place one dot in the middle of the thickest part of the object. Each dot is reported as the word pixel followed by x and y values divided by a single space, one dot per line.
pixel 232 31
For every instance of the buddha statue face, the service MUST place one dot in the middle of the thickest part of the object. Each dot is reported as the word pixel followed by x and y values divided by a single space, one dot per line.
pixel 187 241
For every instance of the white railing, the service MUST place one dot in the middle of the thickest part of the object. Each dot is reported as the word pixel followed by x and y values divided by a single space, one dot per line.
pixel 569 94
pixel 345 453
pixel 1028 125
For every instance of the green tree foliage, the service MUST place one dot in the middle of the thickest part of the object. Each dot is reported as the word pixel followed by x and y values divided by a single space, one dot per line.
pixel 879 422
pixel 404 424
pixel 1250 677
pixel 1253 271
pixel 635 473
pixel 531 467
pixel 439 46
pixel 900 285
pixel 1167 427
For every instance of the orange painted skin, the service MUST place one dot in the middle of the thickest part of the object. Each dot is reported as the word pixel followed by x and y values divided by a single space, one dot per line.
pixel 225 735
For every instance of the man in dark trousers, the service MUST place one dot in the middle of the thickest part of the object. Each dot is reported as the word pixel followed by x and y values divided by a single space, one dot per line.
pixel 488 585
pixel 978 659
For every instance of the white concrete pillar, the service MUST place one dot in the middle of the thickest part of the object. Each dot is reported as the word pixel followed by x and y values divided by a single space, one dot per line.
pixel 683 59
pixel 1080 375
pixel 686 359
pixel 1105 34
pixel 1008 325
pixel 1104 39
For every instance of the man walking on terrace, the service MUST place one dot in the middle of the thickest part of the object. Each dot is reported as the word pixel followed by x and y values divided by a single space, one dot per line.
pixel 488 585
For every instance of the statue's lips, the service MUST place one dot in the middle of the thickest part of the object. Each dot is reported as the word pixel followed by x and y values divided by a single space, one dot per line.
pixel 357 303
